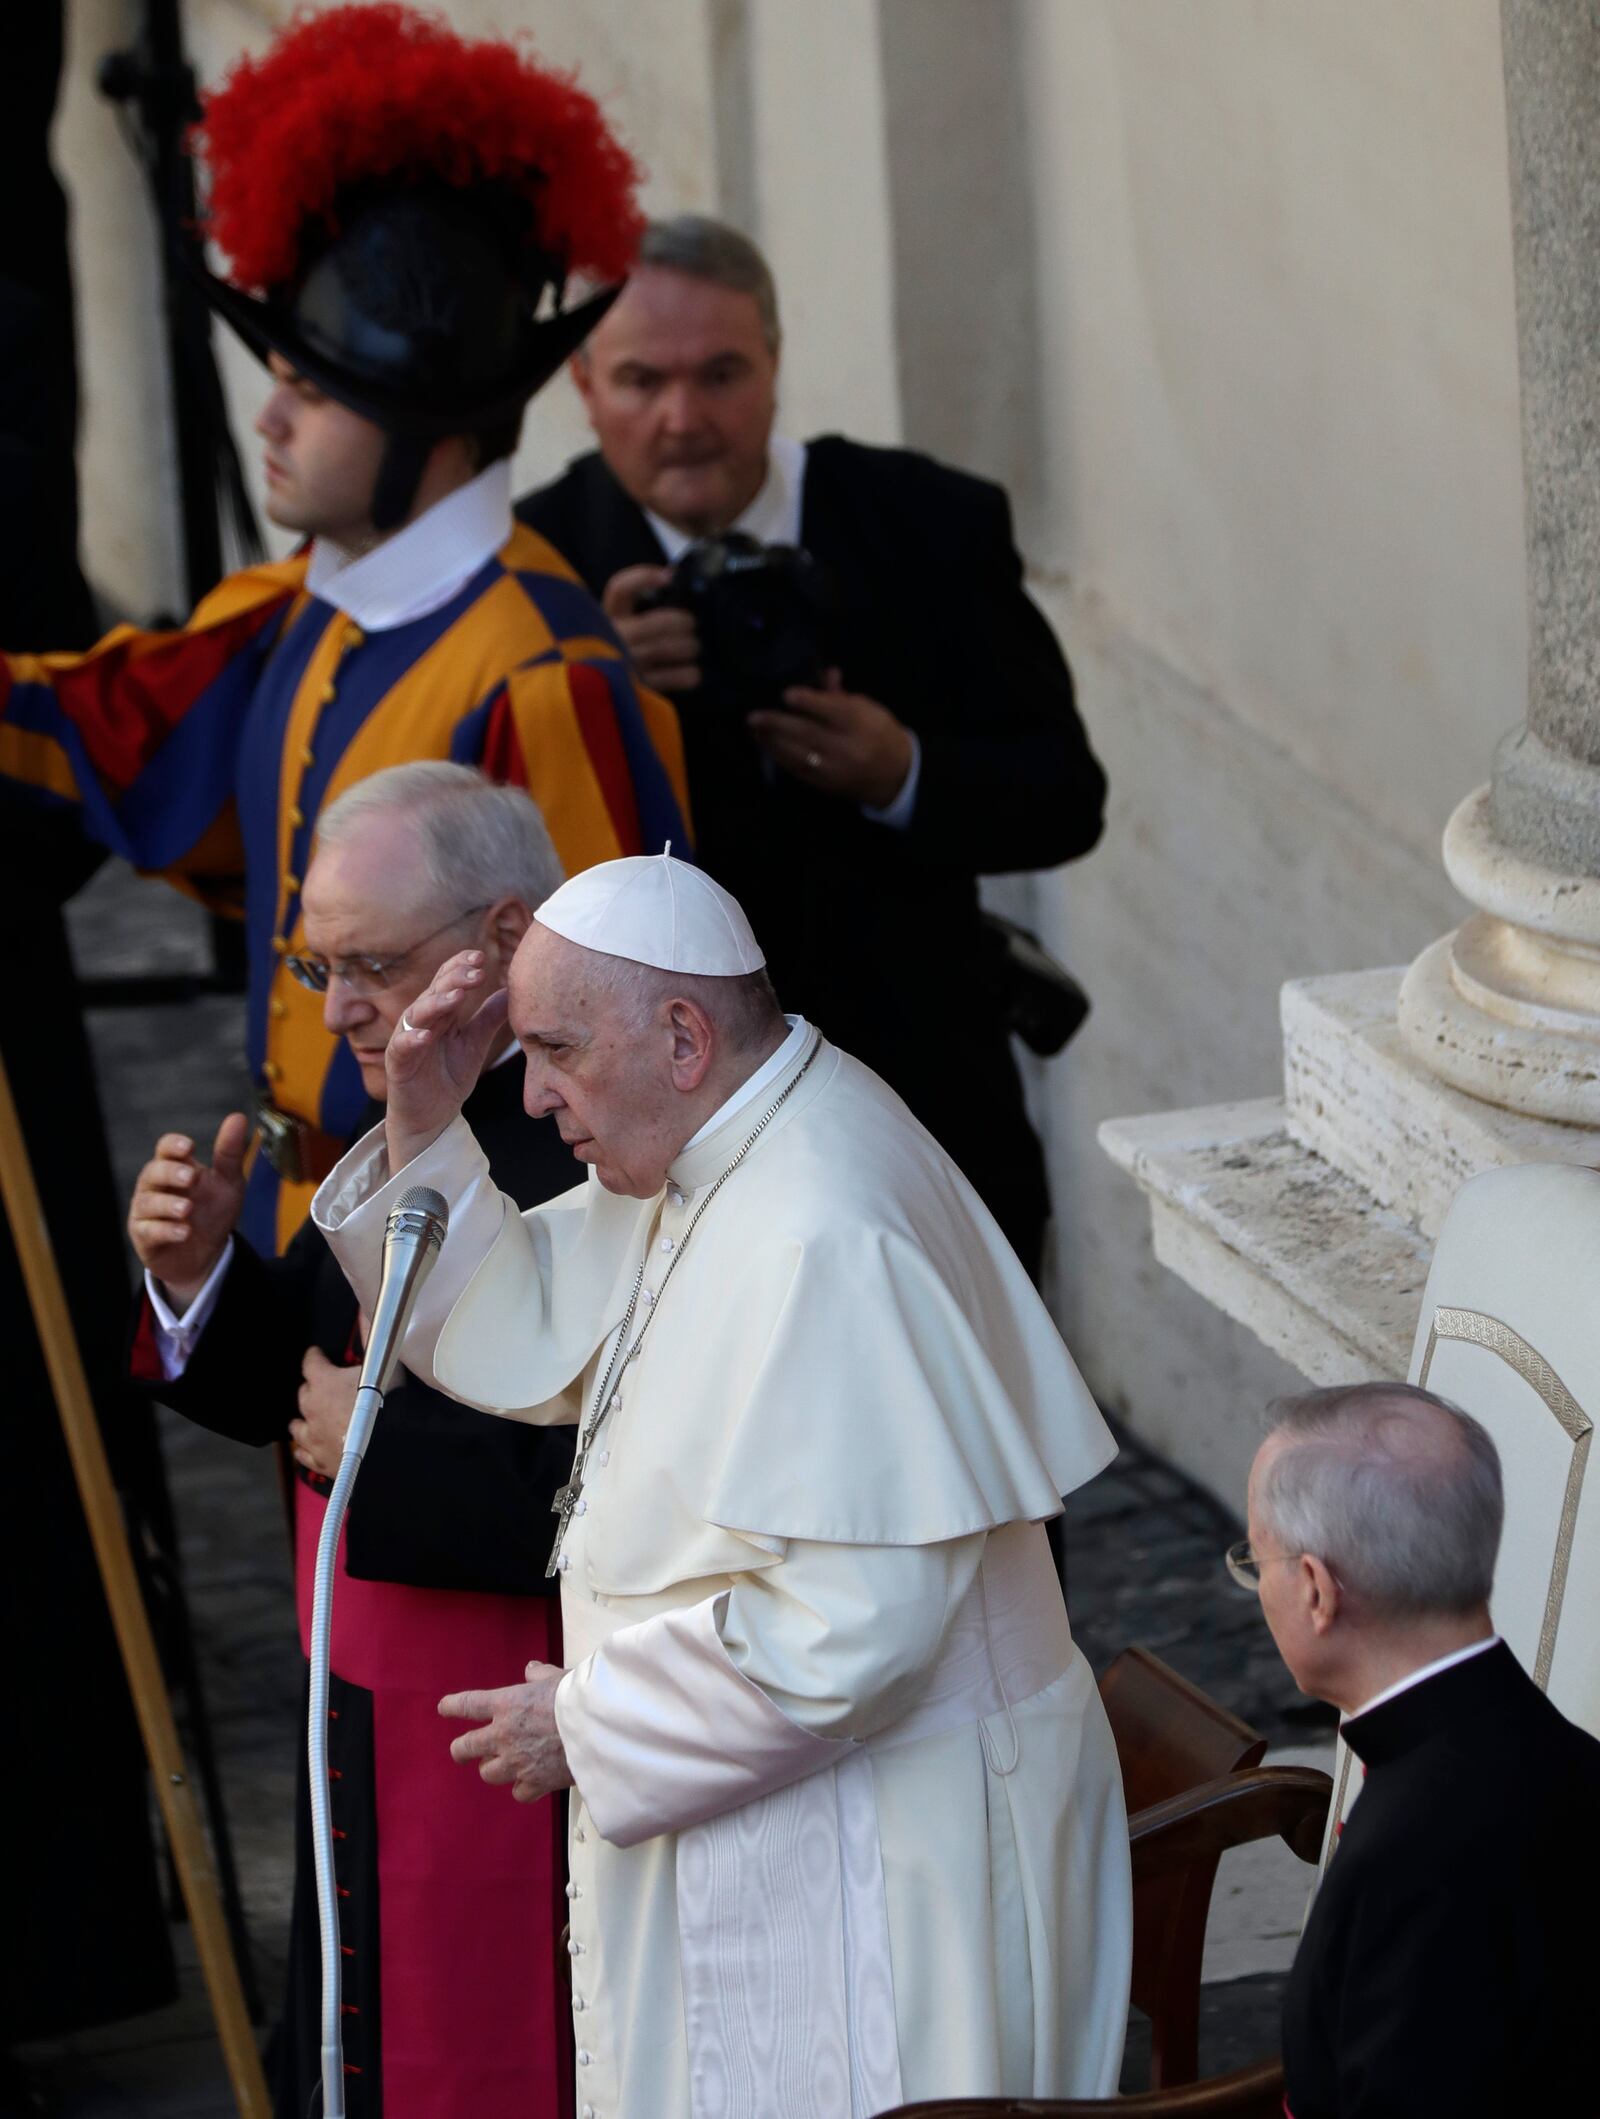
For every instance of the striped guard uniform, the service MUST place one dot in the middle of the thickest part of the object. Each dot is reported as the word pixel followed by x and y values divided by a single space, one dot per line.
pixel 205 755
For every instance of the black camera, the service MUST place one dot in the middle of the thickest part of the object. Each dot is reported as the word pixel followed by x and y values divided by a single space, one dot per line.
pixel 763 614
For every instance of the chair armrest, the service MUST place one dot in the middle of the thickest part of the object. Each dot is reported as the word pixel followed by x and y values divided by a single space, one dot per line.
pixel 1262 1802
pixel 1248 2093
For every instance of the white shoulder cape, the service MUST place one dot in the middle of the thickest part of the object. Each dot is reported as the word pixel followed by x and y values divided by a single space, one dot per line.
pixel 848 1351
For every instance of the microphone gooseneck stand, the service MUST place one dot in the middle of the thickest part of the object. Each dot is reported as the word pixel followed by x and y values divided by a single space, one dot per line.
pixel 411 1242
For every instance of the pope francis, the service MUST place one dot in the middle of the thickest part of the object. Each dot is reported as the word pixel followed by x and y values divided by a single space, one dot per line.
pixel 847 1827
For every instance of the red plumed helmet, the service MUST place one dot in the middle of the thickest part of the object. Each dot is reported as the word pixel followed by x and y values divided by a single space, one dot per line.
pixel 357 95
pixel 396 203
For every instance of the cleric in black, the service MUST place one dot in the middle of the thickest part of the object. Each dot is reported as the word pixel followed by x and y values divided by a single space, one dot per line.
pixel 1446 1965
pixel 932 740
pixel 449 1916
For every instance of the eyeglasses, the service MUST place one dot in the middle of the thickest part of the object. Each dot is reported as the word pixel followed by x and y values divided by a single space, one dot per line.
pixel 367 974
pixel 1244 1563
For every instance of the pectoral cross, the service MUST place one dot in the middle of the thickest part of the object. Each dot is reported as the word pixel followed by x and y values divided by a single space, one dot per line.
pixel 565 1505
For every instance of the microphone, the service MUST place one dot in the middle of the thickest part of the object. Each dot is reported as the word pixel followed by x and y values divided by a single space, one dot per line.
pixel 411 1243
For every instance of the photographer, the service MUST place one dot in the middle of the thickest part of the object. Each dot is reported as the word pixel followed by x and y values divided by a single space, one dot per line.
pixel 872 718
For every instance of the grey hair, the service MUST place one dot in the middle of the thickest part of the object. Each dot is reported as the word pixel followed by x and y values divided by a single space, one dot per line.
pixel 479 841
pixel 744 1008
pixel 704 249
pixel 1397 1491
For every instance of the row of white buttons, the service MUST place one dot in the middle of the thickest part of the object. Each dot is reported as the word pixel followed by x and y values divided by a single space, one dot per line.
pixel 579 2004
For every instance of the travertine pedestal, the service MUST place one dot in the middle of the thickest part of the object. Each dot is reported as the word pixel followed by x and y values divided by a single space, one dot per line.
pixel 1311 1218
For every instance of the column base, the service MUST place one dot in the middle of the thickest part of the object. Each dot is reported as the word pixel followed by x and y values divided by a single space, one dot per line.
pixel 1508 1007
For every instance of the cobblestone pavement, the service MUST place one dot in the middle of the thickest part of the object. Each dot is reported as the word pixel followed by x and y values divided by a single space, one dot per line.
pixel 1144 1565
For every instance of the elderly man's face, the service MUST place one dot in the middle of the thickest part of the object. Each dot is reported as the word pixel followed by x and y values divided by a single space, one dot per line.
pixel 680 386
pixel 606 1079
pixel 370 897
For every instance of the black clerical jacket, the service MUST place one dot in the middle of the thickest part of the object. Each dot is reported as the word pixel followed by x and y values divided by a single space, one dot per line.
pixel 874 933
pixel 448 1498
pixel 1447 1970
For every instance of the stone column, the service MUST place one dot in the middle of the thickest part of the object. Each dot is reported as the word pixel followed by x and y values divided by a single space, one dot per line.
pixel 1508 1007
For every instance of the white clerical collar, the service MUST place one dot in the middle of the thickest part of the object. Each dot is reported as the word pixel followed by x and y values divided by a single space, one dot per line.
pixel 763 1078
pixel 422 566
pixel 773 517
pixel 1421 1677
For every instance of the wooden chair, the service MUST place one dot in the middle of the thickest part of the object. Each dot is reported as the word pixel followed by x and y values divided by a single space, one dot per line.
pixel 1248 2093
pixel 1262 1802
pixel 1180 1824
pixel 1171 1737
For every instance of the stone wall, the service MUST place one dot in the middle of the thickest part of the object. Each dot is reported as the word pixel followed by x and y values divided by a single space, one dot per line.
pixel 1223 293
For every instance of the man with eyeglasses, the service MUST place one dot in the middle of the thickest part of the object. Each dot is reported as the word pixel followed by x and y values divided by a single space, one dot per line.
pixel 1437 1973
pixel 450 1902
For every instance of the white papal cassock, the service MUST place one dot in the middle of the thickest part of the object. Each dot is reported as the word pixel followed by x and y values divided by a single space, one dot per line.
pixel 848 1825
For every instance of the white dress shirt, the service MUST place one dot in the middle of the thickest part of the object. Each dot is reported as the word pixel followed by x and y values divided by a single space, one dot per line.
pixel 178 1333
pixel 773 517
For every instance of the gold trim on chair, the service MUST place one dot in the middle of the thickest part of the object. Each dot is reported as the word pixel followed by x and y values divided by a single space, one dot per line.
pixel 1488 1332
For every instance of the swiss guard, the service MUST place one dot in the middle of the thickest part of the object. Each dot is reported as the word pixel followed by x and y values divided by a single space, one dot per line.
pixel 402 211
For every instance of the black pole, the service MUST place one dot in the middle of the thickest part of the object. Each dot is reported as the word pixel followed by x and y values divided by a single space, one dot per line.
pixel 155 83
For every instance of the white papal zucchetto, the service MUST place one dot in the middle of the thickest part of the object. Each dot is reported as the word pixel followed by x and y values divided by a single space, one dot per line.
pixel 652 909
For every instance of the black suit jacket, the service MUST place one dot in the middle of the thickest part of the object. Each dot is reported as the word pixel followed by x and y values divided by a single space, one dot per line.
pixel 448 1498
pixel 871 932
pixel 1448 1964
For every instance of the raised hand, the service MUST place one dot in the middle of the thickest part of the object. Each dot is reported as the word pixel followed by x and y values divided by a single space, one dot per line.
pixel 182 1213
pixel 437 1052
